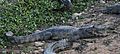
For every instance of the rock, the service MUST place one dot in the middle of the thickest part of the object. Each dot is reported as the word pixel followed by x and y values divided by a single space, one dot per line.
pixel 39 48
pixel 102 1
pixel 23 53
pixel 37 44
pixel 75 15
pixel 75 45
pixel 9 33
pixel 36 52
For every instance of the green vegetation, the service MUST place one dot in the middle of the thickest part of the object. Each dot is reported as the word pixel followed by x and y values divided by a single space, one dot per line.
pixel 25 16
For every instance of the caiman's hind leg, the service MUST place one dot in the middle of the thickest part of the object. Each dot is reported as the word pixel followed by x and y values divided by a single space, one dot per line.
pixel 56 46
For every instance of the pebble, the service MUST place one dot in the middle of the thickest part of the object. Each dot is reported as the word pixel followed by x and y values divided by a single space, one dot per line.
pixel 74 16
pixel 39 48
pixel 37 44
pixel 9 33
pixel 36 51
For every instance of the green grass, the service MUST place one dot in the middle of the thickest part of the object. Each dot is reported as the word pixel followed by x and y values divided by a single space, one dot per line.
pixel 26 16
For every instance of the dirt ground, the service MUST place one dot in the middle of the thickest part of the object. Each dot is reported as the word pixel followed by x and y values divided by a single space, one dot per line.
pixel 106 45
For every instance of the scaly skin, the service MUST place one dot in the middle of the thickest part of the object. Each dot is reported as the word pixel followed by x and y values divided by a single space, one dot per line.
pixel 114 9
pixel 57 33
pixel 86 31
pixel 69 33
pixel 52 47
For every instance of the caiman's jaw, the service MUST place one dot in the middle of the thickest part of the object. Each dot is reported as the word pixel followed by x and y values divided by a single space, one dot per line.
pixel 94 29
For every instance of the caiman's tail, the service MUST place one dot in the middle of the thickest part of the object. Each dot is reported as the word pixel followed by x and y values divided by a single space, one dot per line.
pixel 29 38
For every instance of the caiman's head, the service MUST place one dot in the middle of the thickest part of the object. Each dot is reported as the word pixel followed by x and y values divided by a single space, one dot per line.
pixel 87 31
pixel 93 29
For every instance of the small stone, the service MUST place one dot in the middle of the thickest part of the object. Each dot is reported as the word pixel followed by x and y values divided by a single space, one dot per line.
pixel 101 1
pixel 76 45
pixel 36 52
pixel 39 48
pixel 75 15
pixel 9 33
pixel 92 6
pixel 38 44
pixel 23 53
pixel 89 44
pixel 100 14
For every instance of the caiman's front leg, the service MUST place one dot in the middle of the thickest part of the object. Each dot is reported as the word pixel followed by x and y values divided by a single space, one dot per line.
pixel 56 46
pixel 63 44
